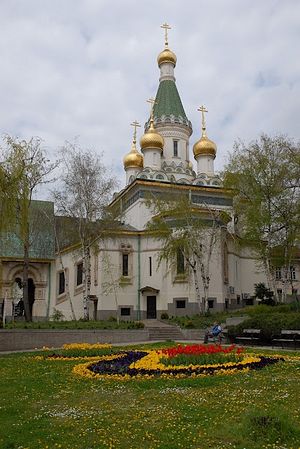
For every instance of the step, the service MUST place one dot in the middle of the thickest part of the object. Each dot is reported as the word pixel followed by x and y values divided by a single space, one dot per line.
pixel 171 333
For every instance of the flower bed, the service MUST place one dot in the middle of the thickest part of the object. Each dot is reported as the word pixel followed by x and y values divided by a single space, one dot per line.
pixel 73 351
pixel 153 363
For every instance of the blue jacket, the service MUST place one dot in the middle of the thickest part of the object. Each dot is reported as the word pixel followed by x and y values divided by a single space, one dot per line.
pixel 216 330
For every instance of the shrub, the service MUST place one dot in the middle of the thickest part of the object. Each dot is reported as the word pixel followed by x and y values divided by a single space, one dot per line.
pixel 270 324
pixel 189 324
pixel 57 315
pixel 164 316
pixel 139 325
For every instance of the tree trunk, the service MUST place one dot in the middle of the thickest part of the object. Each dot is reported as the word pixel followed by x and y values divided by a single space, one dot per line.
pixel 197 289
pixel 270 277
pixel 205 288
pixel 27 311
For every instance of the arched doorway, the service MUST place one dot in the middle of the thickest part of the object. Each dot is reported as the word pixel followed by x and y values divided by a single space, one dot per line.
pixel 31 294
pixel 18 302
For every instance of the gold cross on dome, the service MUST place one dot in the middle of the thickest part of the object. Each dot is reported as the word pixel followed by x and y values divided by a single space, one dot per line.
pixel 152 103
pixel 136 125
pixel 203 109
pixel 166 27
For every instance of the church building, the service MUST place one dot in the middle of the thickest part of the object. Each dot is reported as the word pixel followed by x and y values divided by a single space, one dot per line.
pixel 126 280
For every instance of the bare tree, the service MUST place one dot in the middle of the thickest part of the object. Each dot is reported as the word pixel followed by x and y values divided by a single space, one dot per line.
pixel 111 279
pixel 86 187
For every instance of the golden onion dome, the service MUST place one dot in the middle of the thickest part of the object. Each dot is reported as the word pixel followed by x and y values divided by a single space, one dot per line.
pixel 133 159
pixel 151 139
pixel 166 56
pixel 204 146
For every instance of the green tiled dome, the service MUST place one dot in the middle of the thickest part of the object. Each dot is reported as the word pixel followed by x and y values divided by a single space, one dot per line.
pixel 168 101
pixel 168 107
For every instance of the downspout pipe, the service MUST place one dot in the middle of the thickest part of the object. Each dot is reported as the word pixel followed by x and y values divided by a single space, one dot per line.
pixel 139 280
pixel 49 290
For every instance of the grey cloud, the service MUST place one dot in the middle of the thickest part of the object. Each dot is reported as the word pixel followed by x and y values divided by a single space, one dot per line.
pixel 85 68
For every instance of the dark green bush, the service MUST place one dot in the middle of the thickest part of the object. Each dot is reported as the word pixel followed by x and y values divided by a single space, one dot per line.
pixel 270 324
pixel 164 316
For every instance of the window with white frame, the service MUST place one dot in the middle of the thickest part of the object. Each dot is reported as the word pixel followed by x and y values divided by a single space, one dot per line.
pixel 180 262
pixel 292 273
pixel 61 282
pixel 79 274
pixel 278 273
pixel 125 264
pixel 126 260
pixel 175 148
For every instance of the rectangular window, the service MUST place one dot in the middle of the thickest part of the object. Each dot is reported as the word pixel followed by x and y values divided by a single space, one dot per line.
pixel 175 148
pixel 125 311
pixel 180 304
pixel 150 266
pixel 79 273
pixel 61 282
pixel 278 273
pixel 292 273
pixel 238 299
pixel 279 291
pixel 180 262
pixel 210 303
pixel 125 264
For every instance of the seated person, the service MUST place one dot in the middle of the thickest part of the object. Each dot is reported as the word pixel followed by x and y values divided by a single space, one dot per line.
pixel 214 332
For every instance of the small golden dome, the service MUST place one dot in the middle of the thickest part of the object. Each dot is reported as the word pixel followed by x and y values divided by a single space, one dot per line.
pixel 151 139
pixel 204 146
pixel 190 165
pixel 166 56
pixel 133 159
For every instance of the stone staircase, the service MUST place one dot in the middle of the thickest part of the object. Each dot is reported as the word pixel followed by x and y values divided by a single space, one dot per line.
pixel 162 331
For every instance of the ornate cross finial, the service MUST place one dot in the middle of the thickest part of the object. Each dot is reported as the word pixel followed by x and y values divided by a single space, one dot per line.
pixel 166 27
pixel 203 109
pixel 136 125
pixel 152 103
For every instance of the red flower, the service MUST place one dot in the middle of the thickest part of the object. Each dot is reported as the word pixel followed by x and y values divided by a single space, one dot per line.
pixel 199 349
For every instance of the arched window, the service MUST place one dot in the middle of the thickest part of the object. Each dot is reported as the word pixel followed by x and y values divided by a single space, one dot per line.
pixel 180 267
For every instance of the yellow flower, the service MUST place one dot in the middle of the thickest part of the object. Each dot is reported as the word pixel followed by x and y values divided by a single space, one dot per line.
pixel 86 346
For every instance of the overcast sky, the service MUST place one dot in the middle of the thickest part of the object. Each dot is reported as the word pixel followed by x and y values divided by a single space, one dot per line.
pixel 84 68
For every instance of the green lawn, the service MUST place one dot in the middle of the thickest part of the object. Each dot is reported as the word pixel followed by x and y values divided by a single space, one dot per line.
pixel 44 405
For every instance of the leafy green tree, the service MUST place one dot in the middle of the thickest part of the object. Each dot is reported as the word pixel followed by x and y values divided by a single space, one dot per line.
pixel 265 175
pixel 264 294
pixel 24 167
pixel 188 237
